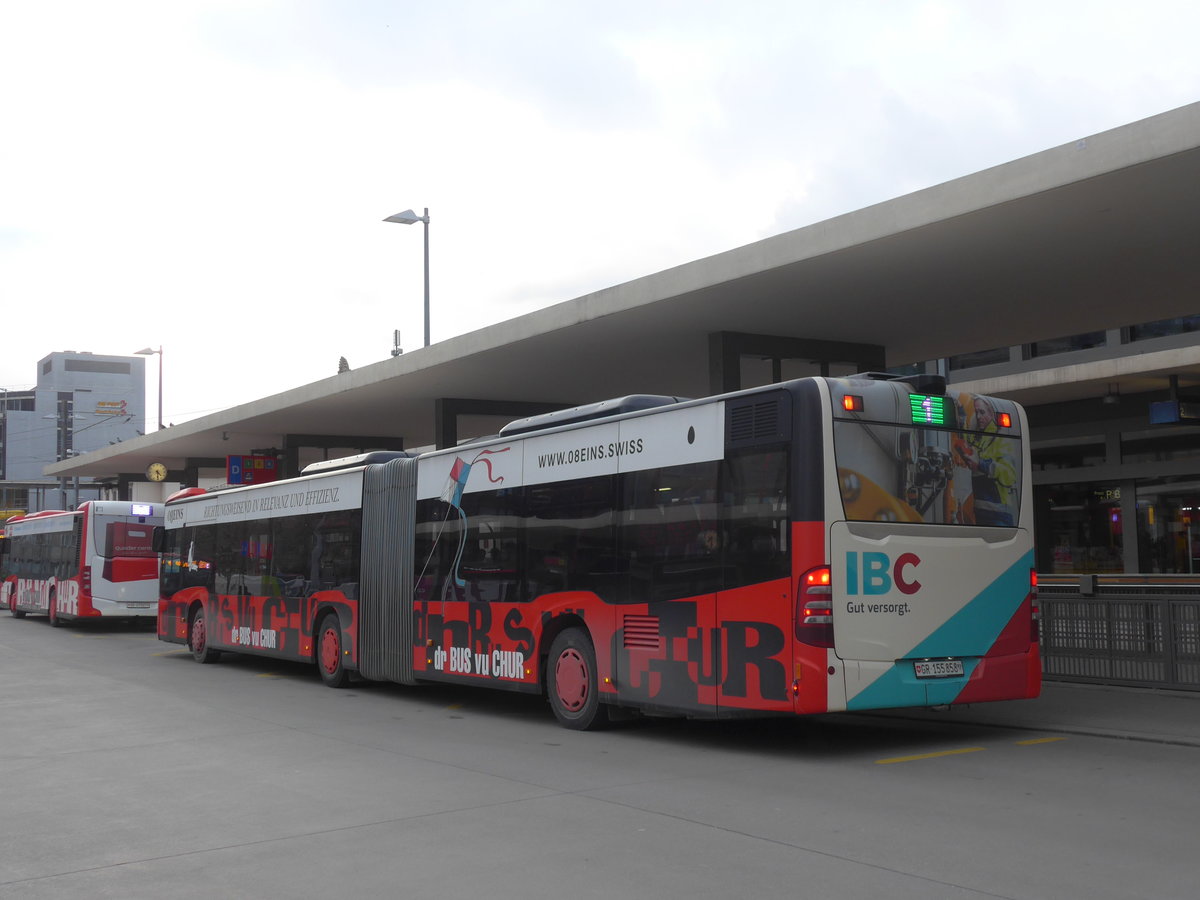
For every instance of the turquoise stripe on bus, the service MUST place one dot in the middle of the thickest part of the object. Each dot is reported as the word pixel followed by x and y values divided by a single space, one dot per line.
pixel 972 631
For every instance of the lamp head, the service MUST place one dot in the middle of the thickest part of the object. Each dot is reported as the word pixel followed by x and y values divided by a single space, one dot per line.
pixel 408 217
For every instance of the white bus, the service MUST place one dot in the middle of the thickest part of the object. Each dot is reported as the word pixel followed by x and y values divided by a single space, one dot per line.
pixel 820 545
pixel 95 561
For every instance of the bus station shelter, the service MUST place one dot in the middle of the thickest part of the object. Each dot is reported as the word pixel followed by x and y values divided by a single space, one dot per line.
pixel 1018 268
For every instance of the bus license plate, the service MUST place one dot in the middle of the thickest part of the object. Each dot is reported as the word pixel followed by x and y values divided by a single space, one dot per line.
pixel 938 668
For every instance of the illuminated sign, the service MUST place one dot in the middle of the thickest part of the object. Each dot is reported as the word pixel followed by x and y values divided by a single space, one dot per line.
pixel 112 408
pixel 250 469
pixel 1168 412
pixel 928 409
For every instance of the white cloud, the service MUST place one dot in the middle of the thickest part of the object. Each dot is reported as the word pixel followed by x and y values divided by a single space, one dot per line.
pixel 212 176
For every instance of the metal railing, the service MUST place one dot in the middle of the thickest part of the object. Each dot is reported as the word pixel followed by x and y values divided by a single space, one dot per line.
pixel 1138 630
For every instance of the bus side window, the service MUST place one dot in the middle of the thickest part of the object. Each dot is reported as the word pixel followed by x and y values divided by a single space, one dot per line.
pixel 755 488
pixel 334 559
pixel 490 567
pixel 569 538
pixel 434 543
pixel 671 532
pixel 292 538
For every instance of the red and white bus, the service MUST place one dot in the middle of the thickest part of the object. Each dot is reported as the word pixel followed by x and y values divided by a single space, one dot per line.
pixel 814 546
pixel 95 561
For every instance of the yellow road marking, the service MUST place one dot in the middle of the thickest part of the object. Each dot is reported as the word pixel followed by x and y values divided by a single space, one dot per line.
pixel 1049 740
pixel 900 759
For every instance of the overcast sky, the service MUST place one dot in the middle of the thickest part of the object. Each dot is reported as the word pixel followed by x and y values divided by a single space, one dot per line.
pixel 211 175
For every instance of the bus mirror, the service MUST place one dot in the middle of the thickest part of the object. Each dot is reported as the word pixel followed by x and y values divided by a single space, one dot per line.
pixel 158 540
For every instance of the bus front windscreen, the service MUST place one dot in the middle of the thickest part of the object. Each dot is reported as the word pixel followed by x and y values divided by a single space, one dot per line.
pixel 890 472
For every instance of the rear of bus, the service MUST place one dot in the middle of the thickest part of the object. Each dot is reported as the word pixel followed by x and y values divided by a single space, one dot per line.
pixel 931 594
pixel 119 575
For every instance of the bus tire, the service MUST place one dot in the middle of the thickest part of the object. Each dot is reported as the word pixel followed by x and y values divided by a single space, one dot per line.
pixel 572 686
pixel 329 652
pixel 52 611
pixel 198 639
pixel 12 606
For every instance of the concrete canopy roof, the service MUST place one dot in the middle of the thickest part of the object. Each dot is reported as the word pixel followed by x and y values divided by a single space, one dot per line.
pixel 1095 234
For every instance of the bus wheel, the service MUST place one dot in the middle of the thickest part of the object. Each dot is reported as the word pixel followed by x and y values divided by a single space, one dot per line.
pixel 329 653
pixel 571 682
pixel 12 606
pixel 55 621
pixel 198 639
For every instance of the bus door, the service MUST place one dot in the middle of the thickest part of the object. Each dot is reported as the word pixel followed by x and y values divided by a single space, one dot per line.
pixel 754 610
pixel 667 646
pixel 483 607
pixel 470 618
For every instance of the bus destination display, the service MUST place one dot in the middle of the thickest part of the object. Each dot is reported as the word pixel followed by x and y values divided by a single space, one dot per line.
pixel 928 409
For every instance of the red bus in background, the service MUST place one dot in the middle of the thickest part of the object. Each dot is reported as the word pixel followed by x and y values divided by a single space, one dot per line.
pixel 819 545
pixel 95 561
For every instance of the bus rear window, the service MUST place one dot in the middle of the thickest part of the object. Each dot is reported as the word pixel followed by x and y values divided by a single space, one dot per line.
pixel 936 476
pixel 127 539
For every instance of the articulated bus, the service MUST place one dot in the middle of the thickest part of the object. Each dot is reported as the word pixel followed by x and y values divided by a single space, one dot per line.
pixel 95 561
pixel 820 545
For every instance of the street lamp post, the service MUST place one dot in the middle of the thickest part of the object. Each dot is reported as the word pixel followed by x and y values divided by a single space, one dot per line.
pixel 408 217
pixel 150 351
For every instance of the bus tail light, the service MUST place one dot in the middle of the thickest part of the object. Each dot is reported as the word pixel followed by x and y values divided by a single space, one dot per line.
pixel 85 580
pixel 1035 620
pixel 814 623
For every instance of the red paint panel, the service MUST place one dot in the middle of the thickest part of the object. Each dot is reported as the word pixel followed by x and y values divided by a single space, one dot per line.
pixel 810 669
pixel 1012 667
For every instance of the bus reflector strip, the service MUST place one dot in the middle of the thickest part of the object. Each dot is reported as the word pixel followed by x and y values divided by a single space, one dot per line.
pixel 1035 620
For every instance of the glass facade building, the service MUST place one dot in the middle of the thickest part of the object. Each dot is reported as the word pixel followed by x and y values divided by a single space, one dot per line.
pixel 80 402
pixel 1116 474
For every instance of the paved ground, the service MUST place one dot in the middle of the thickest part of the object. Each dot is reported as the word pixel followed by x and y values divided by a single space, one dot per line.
pixel 1166 717
pixel 130 771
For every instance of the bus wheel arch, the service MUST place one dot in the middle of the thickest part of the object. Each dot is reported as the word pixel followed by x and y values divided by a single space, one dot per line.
pixel 197 636
pixel 571 682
